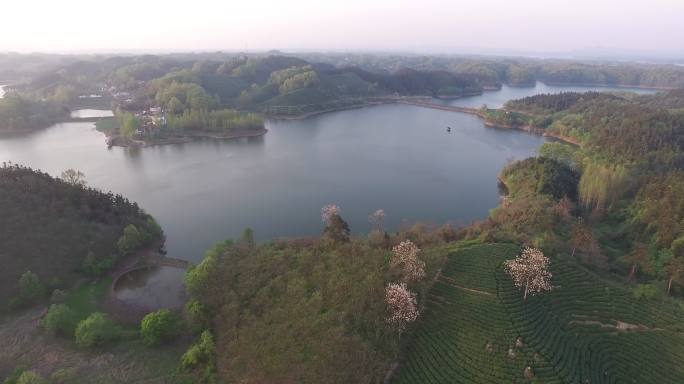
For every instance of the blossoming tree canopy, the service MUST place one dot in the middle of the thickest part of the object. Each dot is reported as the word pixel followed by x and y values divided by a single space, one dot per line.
pixel 376 218
pixel 530 272
pixel 402 305
pixel 329 211
pixel 405 255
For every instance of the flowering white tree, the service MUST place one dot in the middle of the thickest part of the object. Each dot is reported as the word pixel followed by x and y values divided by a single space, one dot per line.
pixel 402 305
pixel 530 272
pixel 329 211
pixel 376 218
pixel 405 255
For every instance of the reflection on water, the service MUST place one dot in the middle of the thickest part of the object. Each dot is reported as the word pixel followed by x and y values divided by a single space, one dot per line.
pixel 398 158
pixel 395 157
pixel 152 288
pixel 89 113
pixel 496 99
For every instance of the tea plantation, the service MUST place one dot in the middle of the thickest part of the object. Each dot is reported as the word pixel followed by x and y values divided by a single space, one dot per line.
pixel 476 328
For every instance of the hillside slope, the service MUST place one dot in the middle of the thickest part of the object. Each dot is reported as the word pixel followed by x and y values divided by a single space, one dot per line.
pixel 49 227
pixel 476 328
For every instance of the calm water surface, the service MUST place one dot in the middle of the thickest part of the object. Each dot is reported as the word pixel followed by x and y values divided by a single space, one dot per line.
pixel 496 99
pixel 88 113
pixel 395 157
pixel 152 288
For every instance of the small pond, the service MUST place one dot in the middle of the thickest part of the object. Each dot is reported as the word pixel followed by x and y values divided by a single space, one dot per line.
pixel 152 288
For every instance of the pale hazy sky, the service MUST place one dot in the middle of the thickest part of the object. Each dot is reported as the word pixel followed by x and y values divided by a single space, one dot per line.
pixel 426 25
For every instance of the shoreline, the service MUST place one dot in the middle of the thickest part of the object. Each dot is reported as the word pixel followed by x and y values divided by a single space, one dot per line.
pixel 652 88
pixel 117 142
pixel 368 103
pixel 425 102
pixel 536 131
pixel 305 115
pixel 476 112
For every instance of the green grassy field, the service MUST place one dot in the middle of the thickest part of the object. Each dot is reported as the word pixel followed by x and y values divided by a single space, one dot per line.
pixel 588 330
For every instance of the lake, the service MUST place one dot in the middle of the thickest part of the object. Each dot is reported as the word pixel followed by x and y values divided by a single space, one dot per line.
pixel 399 158
pixel 393 157
pixel 154 287
pixel 496 99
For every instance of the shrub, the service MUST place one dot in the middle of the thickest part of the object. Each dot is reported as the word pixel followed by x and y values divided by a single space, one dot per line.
pixel 158 327
pixel 14 375
pixel 336 230
pixel 57 296
pixel 199 353
pixel 55 283
pixel 59 319
pixel 31 377
pixel 645 291
pixel 197 315
pixel 197 277
pixel 130 240
pixel 63 376
pixel 16 303
pixel 30 286
pixel 248 237
pixel 96 330
pixel 154 230
pixel 92 266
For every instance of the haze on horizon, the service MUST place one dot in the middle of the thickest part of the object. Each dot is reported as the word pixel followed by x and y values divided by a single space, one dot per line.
pixel 345 25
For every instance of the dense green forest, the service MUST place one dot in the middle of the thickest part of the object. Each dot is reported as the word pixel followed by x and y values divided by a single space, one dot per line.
pixel 310 310
pixel 630 159
pixel 57 231
pixel 515 70
pixel 282 85
pixel 19 114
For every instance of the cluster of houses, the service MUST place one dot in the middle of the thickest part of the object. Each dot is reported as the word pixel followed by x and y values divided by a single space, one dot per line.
pixel 151 121
pixel 120 96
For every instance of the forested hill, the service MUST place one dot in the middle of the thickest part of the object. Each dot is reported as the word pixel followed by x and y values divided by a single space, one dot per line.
pixel 515 70
pixel 643 133
pixel 61 231
pixel 631 165
pixel 277 84
pixel 20 114
pixel 280 84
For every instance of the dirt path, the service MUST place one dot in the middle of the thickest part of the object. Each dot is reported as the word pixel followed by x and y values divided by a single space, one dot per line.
pixel 453 283
pixel 619 326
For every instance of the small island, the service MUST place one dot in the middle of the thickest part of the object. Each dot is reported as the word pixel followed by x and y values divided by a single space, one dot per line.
pixel 154 126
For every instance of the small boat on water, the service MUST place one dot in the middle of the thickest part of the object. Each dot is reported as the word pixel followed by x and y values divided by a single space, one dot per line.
pixel 448 129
